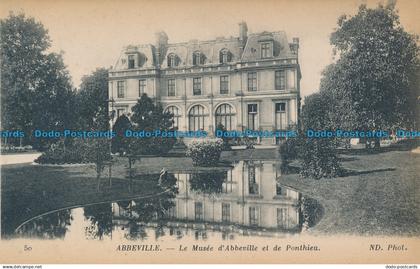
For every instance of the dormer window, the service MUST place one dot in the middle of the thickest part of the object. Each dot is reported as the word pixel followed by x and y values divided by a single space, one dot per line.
pixel 131 62
pixel 172 60
pixel 224 56
pixel 266 49
pixel 198 58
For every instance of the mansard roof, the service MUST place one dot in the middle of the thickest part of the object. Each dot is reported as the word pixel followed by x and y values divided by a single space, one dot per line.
pixel 145 52
pixel 210 49
pixel 281 48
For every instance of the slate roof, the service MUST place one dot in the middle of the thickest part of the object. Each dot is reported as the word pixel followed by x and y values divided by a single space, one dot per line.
pixel 210 49
pixel 252 49
pixel 146 56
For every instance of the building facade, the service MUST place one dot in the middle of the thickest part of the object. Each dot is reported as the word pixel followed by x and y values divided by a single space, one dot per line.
pixel 247 82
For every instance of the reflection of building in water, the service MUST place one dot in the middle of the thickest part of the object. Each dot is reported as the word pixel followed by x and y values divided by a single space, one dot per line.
pixel 250 196
pixel 247 198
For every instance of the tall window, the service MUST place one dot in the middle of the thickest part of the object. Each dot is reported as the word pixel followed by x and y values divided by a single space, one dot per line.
pixel 281 116
pixel 196 86
pixel 266 51
pixel 197 118
pixel 252 180
pixel 224 84
pixel 252 81
pixel 253 216
pixel 171 87
pixel 224 56
pixel 198 206
pixel 225 212
pixel 224 115
pixel 142 86
pixel 252 116
pixel 282 220
pixel 228 183
pixel 280 80
pixel 198 58
pixel 120 89
pixel 172 60
pixel 131 61
pixel 174 111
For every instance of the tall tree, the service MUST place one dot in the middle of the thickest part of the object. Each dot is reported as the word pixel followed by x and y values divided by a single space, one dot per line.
pixel 92 100
pixel 53 100
pixel 373 82
pixel 35 85
pixel 119 142
pixel 150 117
pixel 317 155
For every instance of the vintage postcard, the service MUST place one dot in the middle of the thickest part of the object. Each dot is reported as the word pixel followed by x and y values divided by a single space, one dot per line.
pixel 232 131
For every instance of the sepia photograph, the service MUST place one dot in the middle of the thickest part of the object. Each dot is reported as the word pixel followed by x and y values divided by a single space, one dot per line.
pixel 224 131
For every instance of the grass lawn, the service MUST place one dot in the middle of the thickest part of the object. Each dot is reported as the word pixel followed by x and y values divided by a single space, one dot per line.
pixel 380 195
pixel 28 190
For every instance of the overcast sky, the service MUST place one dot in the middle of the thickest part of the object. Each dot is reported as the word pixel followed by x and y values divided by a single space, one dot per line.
pixel 92 33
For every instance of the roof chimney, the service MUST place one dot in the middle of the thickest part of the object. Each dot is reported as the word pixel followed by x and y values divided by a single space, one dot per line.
pixel 294 47
pixel 243 35
pixel 161 41
pixel 243 31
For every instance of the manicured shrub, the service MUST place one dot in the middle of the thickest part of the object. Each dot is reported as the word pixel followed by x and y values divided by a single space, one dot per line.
pixel 151 146
pixel 60 153
pixel 75 151
pixel 205 153
pixel 317 155
pixel 318 158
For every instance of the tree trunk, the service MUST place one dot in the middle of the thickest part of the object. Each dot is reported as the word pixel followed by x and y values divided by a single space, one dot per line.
pixel 377 143
pixel 98 178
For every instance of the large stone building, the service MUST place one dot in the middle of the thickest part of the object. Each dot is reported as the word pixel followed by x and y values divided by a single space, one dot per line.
pixel 247 82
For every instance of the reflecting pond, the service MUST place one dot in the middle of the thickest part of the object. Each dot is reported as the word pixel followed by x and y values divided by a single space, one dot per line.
pixel 248 199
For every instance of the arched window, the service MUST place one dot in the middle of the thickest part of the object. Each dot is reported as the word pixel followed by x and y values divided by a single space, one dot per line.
pixel 198 58
pixel 172 60
pixel 224 115
pixel 174 111
pixel 224 56
pixel 197 118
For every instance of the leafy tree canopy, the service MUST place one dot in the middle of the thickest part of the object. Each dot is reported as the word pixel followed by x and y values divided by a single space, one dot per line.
pixel 373 83
pixel 92 100
pixel 36 91
pixel 147 116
